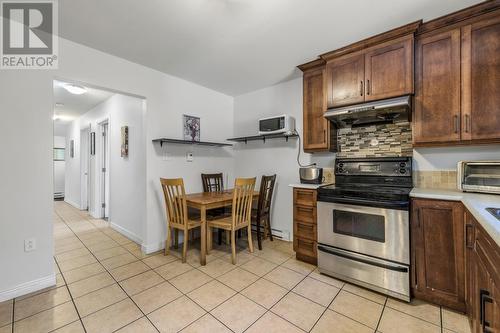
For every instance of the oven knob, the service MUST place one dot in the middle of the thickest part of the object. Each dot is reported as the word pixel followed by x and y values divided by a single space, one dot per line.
pixel 340 165
pixel 341 170
pixel 402 170
pixel 402 164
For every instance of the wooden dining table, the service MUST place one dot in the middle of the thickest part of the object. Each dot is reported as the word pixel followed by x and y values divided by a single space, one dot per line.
pixel 205 201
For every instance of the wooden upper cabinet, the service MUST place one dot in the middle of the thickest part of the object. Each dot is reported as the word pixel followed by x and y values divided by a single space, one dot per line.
pixel 438 268
pixel 457 83
pixel 389 70
pixel 481 79
pixel 318 133
pixel 345 80
pixel 437 91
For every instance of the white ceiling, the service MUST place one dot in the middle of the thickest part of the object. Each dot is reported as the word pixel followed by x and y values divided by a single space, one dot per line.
pixel 73 106
pixel 235 46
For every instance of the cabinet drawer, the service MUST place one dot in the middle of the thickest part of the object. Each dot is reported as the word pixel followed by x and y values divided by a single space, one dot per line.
pixel 304 197
pixel 305 247
pixel 305 230
pixel 304 213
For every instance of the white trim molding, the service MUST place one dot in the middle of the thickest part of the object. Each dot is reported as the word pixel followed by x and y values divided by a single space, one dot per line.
pixel 126 233
pixel 77 206
pixel 28 287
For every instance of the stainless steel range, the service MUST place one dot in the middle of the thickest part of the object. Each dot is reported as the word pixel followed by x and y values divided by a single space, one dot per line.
pixel 363 224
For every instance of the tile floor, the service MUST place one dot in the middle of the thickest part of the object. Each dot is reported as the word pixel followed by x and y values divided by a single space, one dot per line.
pixel 106 284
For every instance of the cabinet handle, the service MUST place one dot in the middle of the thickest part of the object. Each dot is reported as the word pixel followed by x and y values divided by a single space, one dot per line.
pixel 305 226
pixel 324 135
pixel 469 243
pixel 484 296
pixel 418 218
pixel 455 123
pixel 368 87
pixel 361 88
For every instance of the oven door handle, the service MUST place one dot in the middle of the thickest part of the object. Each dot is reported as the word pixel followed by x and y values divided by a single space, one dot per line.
pixel 363 259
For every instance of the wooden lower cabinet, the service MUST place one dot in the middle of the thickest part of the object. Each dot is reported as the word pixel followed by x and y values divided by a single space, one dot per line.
pixel 437 241
pixel 455 263
pixel 304 225
pixel 483 279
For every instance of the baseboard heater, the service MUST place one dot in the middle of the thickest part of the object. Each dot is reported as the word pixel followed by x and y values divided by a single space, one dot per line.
pixel 281 234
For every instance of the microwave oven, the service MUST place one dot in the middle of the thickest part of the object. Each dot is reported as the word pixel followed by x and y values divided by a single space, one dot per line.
pixel 479 176
pixel 276 125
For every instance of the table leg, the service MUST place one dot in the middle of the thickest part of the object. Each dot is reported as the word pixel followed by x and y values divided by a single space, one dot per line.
pixel 203 216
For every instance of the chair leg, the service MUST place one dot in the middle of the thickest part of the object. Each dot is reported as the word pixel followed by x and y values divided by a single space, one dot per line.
pixel 176 238
pixel 259 240
pixel 228 235
pixel 184 245
pixel 269 228
pixel 167 242
pixel 250 245
pixel 209 239
pixel 233 247
pixel 219 237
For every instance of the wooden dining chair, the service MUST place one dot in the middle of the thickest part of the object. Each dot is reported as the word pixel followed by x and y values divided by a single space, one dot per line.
pixel 214 182
pixel 240 217
pixel 177 213
pixel 261 216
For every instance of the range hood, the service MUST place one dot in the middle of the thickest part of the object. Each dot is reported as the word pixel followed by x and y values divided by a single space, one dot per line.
pixel 378 112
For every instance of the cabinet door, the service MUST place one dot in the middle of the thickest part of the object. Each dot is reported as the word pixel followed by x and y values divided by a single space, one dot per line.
pixel 345 80
pixel 438 247
pixel 469 255
pixel 389 70
pixel 495 307
pixel 481 79
pixel 316 127
pixel 437 88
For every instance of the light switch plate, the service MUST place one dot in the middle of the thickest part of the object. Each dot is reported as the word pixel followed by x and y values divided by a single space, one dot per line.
pixel 189 157
pixel 29 245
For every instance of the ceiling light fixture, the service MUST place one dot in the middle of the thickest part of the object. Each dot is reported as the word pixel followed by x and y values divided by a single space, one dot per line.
pixel 74 89
pixel 59 105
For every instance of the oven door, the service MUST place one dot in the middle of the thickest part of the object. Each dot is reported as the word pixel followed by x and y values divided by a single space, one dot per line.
pixel 373 231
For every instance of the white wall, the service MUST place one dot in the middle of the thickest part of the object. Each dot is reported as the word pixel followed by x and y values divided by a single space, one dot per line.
pixel 59 166
pixel 26 195
pixel 277 156
pixel 127 174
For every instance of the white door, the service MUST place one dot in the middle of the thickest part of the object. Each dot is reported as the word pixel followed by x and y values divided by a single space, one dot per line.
pixel 84 168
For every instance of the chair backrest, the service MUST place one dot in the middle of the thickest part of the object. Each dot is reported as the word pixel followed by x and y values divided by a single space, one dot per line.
pixel 242 200
pixel 265 195
pixel 175 200
pixel 212 182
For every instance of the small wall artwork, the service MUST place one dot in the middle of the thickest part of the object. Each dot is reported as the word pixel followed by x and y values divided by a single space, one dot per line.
pixel 72 149
pixel 191 127
pixel 124 149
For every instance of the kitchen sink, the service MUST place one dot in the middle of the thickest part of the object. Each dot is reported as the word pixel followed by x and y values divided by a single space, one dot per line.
pixel 495 212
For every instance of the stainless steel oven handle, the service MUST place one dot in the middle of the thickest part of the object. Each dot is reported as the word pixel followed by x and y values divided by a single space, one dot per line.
pixel 361 258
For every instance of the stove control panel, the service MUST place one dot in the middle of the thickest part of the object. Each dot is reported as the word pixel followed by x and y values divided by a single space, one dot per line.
pixel 382 166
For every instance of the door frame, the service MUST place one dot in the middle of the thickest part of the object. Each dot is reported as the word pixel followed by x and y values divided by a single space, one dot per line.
pixel 103 146
pixel 85 166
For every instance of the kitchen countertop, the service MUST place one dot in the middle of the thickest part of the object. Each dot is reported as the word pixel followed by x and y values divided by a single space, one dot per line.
pixel 476 204
pixel 309 186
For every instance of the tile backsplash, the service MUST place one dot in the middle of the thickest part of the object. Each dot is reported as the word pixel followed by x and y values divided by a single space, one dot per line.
pixel 376 141
pixel 442 179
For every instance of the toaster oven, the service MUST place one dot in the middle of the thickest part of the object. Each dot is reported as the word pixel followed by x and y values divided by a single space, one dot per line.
pixel 479 176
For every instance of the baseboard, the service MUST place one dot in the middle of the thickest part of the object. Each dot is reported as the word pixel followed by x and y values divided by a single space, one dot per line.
pixel 150 248
pixel 28 287
pixel 130 235
pixel 77 206
pixel 281 234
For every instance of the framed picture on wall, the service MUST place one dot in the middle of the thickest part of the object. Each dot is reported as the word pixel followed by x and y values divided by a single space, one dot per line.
pixel 124 145
pixel 72 148
pixel 191 128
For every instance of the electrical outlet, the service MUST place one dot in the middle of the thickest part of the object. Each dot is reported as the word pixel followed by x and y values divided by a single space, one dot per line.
pixel 189 157
pixel 29 245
